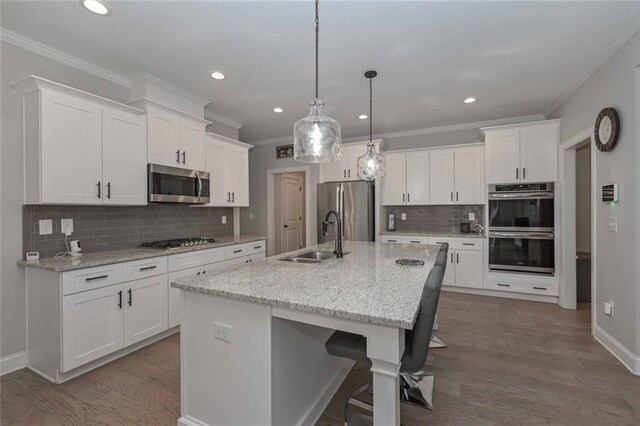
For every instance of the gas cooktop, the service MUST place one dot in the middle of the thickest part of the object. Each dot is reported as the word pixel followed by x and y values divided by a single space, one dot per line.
pixel 178 243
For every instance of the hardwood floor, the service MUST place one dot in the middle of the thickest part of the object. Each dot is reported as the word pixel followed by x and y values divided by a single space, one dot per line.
pixel 508 362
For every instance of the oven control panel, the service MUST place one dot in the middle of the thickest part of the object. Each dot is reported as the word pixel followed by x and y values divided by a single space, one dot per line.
pixel 524 187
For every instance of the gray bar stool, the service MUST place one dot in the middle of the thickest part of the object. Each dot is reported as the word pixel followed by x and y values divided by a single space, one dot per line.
pixel 436 342
pixel 416 386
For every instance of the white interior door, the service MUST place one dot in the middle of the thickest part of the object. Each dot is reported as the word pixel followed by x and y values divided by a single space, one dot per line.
pixel 92 325
pixel 290 213
pixel 192 144
pixel 469 180
pixel 164 137
pixel 539 153
pixel 441 176
pixel 145 311
pixel 418 178
pixel 124 157
pixel 394 184
pixel 503 156
pixel 71 150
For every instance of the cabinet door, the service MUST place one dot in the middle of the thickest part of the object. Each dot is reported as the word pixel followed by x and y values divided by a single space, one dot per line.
pixel 238 165
pixel 124 158
pixel 468 268
pixel 216 154
pixel 92 325
pixel 469 180
pixel 442 177
pixel 163 137
pixel 418 178
pixel 145 312
pixel 539 153
pixel 353 153
pixel 192 137
pixel 71 150
pixel 394 184
pixel 336 171
pixel 449 274
pixel 502 154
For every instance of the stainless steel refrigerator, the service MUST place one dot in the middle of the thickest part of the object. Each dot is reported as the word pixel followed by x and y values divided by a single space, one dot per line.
pixel 354 202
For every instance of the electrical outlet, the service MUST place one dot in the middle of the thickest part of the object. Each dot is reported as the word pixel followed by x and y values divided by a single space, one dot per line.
pixel 66 226
pixel 608 309
pixel 403 216
pixel 45 227
pixel 472 216
pixel 222 332
pixel 613 224
pixel 224 219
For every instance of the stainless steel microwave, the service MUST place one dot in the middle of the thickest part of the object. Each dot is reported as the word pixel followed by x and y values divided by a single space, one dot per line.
pixel 174 185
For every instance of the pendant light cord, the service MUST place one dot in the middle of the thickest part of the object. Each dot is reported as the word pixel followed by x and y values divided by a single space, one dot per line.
pixel 317 33
pixel 370 111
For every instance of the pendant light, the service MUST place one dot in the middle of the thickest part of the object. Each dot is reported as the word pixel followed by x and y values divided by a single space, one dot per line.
pixel 371 165
pixel 316 138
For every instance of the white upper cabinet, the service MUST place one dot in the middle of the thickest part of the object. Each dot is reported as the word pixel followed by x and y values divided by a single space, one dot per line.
pixel 345 169
pixel 469 175
pixel 124 158
pixel 394 184
pixel 441 170
pixel 227 161
pixel 522 153
pixel 175 138
pixel 80 148
pixel 418 178
pixel 407 179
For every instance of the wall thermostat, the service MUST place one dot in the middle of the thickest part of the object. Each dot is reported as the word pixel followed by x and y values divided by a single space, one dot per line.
pixel 32 255
pixel 610 193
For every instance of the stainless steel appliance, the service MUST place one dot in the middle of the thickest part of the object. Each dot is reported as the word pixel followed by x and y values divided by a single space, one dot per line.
pixel 174 185
pixel 521 228
pixel 354 202
pixel 179 242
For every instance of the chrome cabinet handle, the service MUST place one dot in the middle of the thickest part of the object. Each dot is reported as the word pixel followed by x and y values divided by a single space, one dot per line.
pixel 184 157
pixel 130 302
pixel 99 186
pixel 199 186
pixel 146 268
pixel 96 278
pixel 178 156
pixel 109 190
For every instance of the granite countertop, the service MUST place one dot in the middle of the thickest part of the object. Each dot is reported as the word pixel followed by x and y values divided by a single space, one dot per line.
pixel 432 234
pixel 100 258
pixel 366 285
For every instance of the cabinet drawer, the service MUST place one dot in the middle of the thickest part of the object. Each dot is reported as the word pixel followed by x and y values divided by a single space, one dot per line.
pixel 91 278
pixel 240 250
pixel 458 243
pixel 195 258
pixel 506 285
pixel 144 268
pixel 245 259
pixel 404 239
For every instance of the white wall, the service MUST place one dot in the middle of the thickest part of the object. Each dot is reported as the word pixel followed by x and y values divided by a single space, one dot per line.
pixel 616 267
pixel 583 199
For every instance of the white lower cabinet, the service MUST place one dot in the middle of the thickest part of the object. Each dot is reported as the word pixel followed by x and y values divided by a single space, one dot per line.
pixel 92 325
pixel 468 268
pixel 145 308
pixel 176 297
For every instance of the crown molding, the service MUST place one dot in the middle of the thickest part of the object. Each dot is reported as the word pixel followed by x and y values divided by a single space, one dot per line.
pixel 627 31
pixel 146 78
pixel 424 131
pixel 221 119
pixel 58 56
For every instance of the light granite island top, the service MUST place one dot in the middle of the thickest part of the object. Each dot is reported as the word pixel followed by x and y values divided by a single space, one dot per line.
pixel 366 285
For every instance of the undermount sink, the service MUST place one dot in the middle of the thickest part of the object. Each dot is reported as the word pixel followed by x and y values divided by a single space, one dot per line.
pixel 310 257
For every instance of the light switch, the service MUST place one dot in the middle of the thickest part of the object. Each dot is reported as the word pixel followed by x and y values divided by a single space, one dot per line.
pixel 224 220
pixel 613 224
pixel 608 309
pixel 472 216
pixel 403 216
pixel 45 227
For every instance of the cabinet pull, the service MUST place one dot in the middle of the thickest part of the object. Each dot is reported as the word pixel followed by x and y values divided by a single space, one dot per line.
pixel 257 247
pixel 344 172
pixel 503 285
pixel 524 175
pixel 456 195
pixel 99 187
pixel 178 156
pixel 109 190
pixel 457 258
pixel 233 197
pixel 146 268
pixel 184 157
pixel 403 197
pixel 130 302
pixel 100 277
pixel 349 173
pixel 452 196
pixel 451 257
pixel 517 173
pixel 237 251
pixel 440 242
pixel 204 272
pixel 468 244
pixel 120 299
pixel 392 241
pixel 540 288
pixel 414 241
pixel 408 197
pixel 228 197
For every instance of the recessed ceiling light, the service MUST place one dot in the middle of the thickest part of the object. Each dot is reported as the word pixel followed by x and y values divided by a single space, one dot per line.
pixel 218 75
pixel 96 7
pixel 278 109
pixel 469 100
pixel 363 116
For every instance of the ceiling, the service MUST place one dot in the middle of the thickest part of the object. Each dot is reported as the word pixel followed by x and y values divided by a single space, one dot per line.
pixel 516 58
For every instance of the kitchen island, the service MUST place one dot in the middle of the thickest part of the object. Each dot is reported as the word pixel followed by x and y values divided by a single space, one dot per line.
pixel 252 338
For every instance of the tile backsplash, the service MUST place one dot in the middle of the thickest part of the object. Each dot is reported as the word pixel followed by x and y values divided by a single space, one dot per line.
pixel 432 218
pixel 107 228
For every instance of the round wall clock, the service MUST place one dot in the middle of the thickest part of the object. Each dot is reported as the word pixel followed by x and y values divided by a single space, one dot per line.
pixel 607 129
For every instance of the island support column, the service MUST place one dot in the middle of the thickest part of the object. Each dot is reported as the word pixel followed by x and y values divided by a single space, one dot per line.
pixel 385 346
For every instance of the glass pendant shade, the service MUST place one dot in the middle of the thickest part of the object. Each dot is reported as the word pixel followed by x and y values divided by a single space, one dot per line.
pixel 371 165
pixel 317 138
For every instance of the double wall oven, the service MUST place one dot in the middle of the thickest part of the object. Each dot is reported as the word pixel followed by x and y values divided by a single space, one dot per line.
pixel 521 228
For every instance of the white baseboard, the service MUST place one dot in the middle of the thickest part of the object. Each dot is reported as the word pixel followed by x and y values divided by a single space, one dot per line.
pixel 617 349
pixel 501 294
pixel 190 421
pixel 13 362
pixel 314 412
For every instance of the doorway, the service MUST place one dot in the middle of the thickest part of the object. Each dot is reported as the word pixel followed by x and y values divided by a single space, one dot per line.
pixel 583 226
pixel 289 215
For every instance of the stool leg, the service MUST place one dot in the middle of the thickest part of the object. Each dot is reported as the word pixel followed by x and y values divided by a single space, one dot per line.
pixel 417 389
